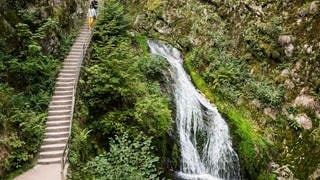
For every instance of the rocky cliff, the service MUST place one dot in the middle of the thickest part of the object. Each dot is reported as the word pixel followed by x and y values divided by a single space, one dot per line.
pixel 260 56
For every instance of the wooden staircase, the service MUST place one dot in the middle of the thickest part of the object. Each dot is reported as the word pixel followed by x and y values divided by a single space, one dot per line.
pixel 59 121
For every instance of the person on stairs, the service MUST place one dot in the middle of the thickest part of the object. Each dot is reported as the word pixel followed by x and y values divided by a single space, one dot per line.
pixel 91 15
pixel 94 3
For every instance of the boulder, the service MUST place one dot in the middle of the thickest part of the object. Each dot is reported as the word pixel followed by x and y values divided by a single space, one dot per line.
pixel 306 101
pixel 285 40
pixel 285 73
pixel 288 84
pixel 256 103
pixel 304 121
pixel 314 7
pixel 307 48
pixel 288 50
pixel 284 173
pixel 316 174
pixel 269 112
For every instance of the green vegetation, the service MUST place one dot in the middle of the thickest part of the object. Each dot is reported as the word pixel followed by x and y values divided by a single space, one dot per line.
pixel 123 121
pixel 31 46
pixel 235 57
pixel 126 160
pixel 251 146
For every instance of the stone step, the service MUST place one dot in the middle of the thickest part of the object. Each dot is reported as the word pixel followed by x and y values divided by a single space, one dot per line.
pixel 71 68
pixel 75 63
pixel 61 98
pixel 49 160
pixel 58 123
pixel 52 147
pixel 81 41
pixel 67 102
pixel 65 79
pixel 64 84
pixel 59 118
pixel 68 74
pixel 63 93
pixel 57 128
pixel 59 112
pixel 51 154
pixel 75 53
pixel 71 63
pixel 73 57
pixel 64 88
pixel 60 140
pixel 77 49
pixel 68 71
pixel 59 107
pixel 56 134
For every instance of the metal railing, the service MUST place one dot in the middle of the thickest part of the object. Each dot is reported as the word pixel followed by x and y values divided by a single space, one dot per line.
pixel 65 153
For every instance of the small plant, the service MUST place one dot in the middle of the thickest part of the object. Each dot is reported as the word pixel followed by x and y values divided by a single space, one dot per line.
pixel 293 124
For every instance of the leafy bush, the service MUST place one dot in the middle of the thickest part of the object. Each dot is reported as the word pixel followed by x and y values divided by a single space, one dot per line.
pixel 153 68
pixel 127 159
pixel 260 38
pixel 266 93
pixel 153 115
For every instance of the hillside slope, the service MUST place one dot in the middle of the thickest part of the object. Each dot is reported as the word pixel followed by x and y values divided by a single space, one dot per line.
pixel 260 59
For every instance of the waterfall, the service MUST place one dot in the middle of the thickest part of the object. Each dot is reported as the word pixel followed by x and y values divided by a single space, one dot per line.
pixel 206 148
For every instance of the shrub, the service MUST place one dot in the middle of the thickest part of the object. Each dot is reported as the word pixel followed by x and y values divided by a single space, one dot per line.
pixel 127 159
pixel 266 93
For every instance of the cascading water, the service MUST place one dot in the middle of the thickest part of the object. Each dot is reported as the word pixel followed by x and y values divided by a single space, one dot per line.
pixel 206 148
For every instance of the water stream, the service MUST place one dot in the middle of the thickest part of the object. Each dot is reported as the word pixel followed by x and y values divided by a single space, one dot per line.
pixel 206 148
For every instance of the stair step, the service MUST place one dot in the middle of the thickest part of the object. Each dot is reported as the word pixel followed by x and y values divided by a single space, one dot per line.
pixel 75 53
pixel 56 134
pixel 59 118
pixel 66 88
pixel 51 154
pixel 62 83
pixel 71 63
pixel 70 74
pixel 70 67
pixel 59 112
pixel 61 97
pixel 74 57
pixel 52 147
pixel 49 160
pixel 66 102
pixel 65 79
pixel 73 71
pixel 63 93
pixel 61 140
pixel 77 49
pixel 57 128
pixel 53 123
pixel 59 107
